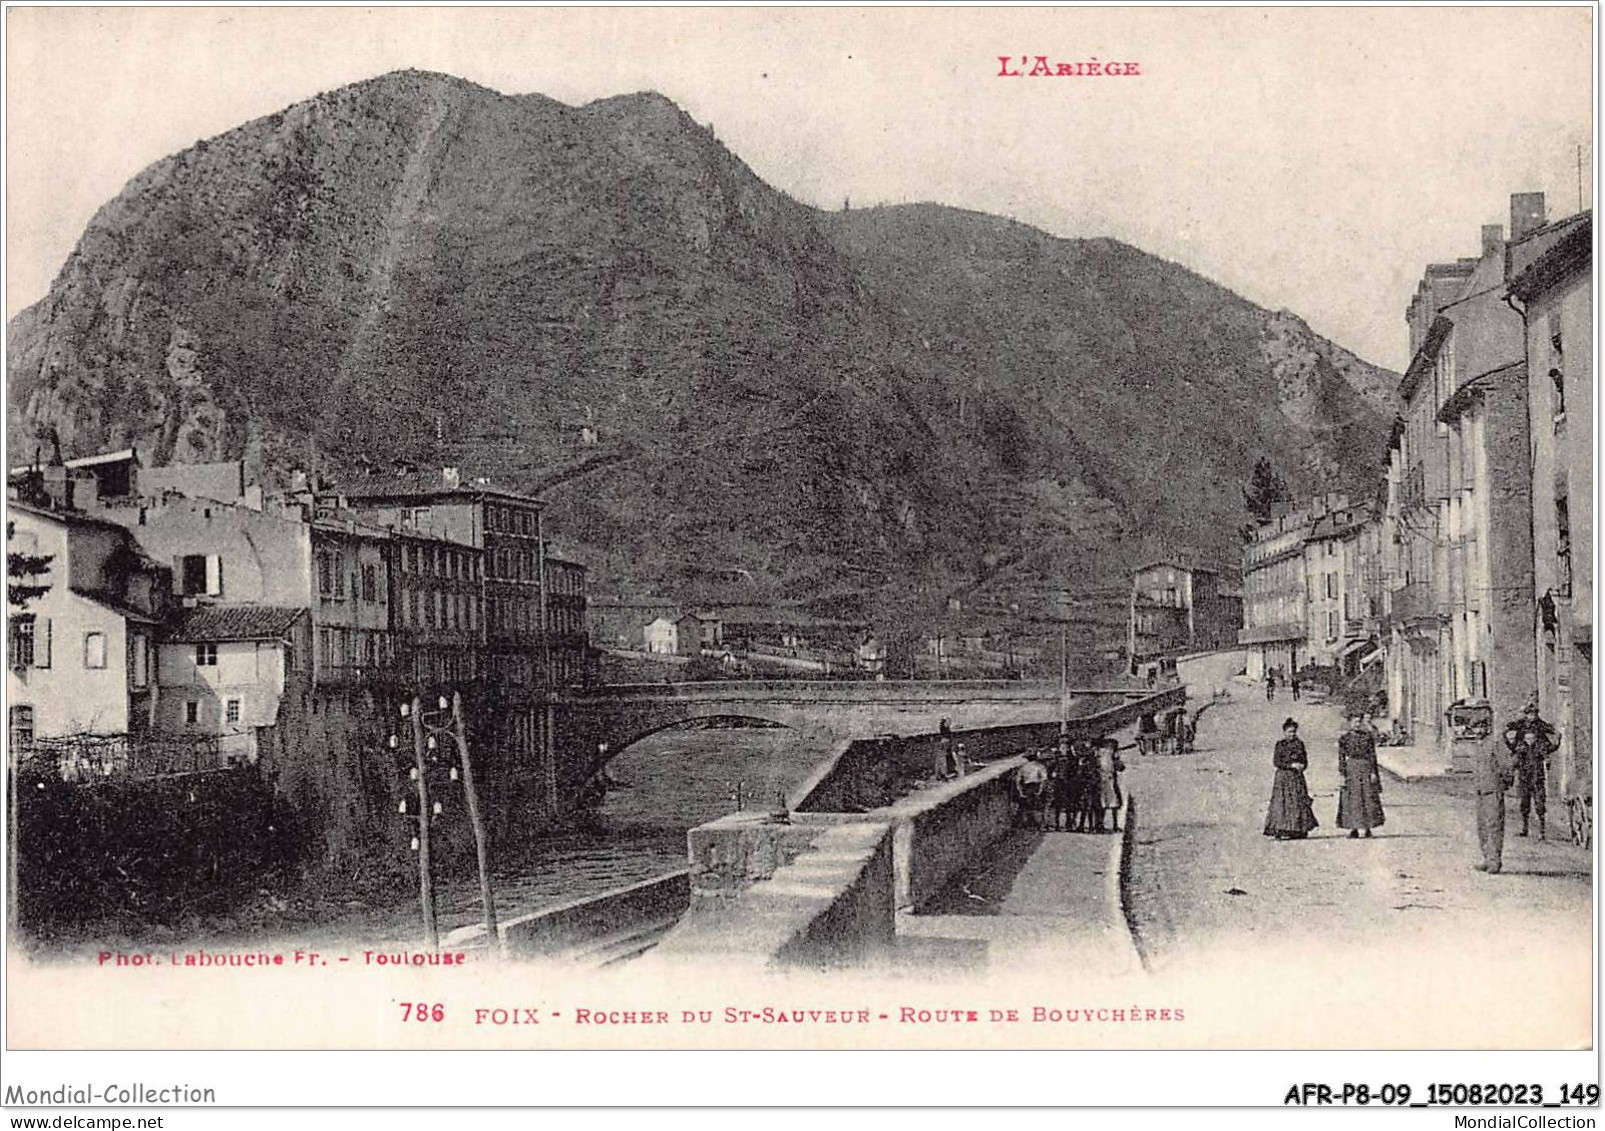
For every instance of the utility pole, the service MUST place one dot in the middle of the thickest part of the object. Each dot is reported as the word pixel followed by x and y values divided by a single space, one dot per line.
pixel 459 732
pixel 426 882
pixel 1064 677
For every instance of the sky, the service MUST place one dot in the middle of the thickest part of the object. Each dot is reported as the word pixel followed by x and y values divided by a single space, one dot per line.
pixel 1310 159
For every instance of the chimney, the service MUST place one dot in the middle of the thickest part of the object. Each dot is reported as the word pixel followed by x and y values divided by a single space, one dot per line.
pixel 1493 240
pixel 452 477
pixel 1526 214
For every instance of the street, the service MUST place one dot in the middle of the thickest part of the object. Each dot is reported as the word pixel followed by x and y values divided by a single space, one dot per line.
pixel 1397 933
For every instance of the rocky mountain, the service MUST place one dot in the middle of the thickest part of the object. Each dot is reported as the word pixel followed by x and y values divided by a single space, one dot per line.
pixel 719 389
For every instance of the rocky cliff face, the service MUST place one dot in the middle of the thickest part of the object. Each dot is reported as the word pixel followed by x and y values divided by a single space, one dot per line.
pixel 882 405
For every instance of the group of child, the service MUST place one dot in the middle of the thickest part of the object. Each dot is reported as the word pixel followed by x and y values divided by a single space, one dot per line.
pixel 1082 787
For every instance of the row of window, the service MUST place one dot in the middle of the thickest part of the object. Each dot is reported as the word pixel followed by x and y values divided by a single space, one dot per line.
pixel 513 563
pixel 440 561
pixel 192 711
pixel 332 579
pixel 561 619
pixel 519 614
pixel 565 580
pixel 22 728
pixel 29 646
pixel 511 520
pixel 439 609
pixel 352 647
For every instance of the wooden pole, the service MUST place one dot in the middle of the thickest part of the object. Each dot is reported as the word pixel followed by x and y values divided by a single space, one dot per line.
pixel 426 881
pixel 1064 683
pixel 459 731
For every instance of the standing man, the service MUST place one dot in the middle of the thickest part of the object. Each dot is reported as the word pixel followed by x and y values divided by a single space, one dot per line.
pixel 1292 685
pixel 1270 686
pixel 1530 741
pixel 1492 775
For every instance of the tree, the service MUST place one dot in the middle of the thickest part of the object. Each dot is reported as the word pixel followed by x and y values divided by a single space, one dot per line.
pixel 21 568
pixel 1265 489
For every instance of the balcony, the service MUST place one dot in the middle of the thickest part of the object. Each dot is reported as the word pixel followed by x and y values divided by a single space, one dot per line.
pixel 1270 633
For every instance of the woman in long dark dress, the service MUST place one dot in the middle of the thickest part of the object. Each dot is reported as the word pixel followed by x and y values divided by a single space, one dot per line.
pixel 1360 802
pixel 1290 816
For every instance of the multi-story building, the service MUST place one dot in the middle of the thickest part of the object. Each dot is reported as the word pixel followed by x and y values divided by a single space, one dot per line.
pixel 1177 607
pixel 531 641
pixel 1418 473
pixel 568 647
pixel 436 609
pixel 229 555
pixel 352 617
pixel 1274 622
pixel 1460 615
pixel 81 654
pixel 1334 624
pixel 519 648
pixel 1550 278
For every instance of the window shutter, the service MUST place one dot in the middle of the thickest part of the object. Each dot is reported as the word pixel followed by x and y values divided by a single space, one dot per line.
pixel 41 642
pixel 178 575
pixel 214 575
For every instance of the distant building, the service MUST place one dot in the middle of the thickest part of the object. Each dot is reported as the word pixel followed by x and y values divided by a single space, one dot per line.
pixel 351 612
pixel 1335 630
pixel 699 634
pixel 782 631
pixel 662 637
pixel 871 655
pixel 1550 275
pixel 81 656
pixel 1276 590
pixel 231 481
pixel 1176 607
pixel 619 621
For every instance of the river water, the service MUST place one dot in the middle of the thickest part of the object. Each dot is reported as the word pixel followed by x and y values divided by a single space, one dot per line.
pixel 668 783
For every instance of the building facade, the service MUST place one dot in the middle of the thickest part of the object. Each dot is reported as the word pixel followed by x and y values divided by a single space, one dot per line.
pixel 532 638
pixel 1178 607
pixel 224 672
pixel 1460 617
pixel 1274 621
pixel 81 655
pixel 1550 280
pixel 1335 628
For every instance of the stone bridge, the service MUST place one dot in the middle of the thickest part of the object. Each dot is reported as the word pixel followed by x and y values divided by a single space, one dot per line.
pixel 591 727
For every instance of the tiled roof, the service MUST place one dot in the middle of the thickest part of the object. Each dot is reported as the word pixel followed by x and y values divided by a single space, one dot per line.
pixel 417 484
pixel 235 622
pixel 1566 246
pixel 743 615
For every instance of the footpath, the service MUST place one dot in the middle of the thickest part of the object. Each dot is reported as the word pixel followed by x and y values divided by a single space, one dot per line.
pixel 1043 901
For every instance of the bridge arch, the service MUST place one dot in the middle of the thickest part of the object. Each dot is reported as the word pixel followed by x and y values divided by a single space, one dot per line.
pixel 746 719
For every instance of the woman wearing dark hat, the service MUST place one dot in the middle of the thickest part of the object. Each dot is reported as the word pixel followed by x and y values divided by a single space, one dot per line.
pixel 1360 802
pixel 1290 816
